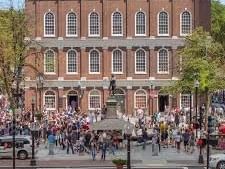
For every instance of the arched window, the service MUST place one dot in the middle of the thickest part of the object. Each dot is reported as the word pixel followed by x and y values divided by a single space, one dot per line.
pixel 94 100
pixel 117 24
pixel 117 61
pixel 185 23
pixel 71 24
pixel 140 61
pixel 50 100
pixel 49 62
pixel 49 24
pixel 94 24
pixel 71 61
pixel 140 99
pixel 163 61
pixel 140 23
pixel 163 24
pixel 94 62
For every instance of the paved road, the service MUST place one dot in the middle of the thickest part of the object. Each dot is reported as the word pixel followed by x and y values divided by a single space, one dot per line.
pixel 171 167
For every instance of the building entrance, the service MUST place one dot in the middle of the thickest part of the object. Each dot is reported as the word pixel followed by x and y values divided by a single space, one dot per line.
pixel 163 102
pixel 72 100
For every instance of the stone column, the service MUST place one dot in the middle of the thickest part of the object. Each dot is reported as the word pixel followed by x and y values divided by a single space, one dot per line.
pixel 60 99
pixel 129 100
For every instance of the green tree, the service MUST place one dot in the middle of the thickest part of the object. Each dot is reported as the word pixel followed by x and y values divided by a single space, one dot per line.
pixel 202 60
pixel 14 50
pixel 218 21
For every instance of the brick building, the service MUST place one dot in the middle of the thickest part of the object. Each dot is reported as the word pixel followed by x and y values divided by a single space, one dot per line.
pixel 83 42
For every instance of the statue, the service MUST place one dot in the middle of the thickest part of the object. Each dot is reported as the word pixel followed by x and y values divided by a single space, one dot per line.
pixel 112 85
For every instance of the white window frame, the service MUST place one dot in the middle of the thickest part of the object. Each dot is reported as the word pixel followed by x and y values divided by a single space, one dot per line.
pixel 186 94
pixel 71 73
pixel 112 61
pixel 67 34
pixel 139 72
pixel 112 24
pixel 89 33
pixel 47 35
pixel 49 73
pixel 89 63
pixel 166 34
pixel 168 55
pixel 146 98
pixel 136 34
pixel 184 34
pixel 44 99
pixel 89 94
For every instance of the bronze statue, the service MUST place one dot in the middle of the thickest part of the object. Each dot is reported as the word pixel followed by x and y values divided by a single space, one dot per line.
pixel 112 85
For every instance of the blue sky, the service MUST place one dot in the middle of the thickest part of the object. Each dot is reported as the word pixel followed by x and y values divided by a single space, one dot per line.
pixel 17 3
pixel 6 3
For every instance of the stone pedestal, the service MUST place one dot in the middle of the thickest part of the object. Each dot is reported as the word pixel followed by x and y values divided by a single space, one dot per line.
pixel 111 105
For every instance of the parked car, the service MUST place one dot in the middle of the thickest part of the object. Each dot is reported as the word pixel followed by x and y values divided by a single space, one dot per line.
pixel 217 161
pixel 23 147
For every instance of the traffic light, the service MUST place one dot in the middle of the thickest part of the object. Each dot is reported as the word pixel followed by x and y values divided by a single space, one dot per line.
pixel 210 125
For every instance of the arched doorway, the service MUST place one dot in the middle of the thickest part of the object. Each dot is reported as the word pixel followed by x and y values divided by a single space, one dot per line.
pixel 72 99
pixel 120 97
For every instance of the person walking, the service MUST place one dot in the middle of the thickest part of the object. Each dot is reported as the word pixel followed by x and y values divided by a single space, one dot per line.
pixel 178 140
pixel 69 143
pixel 93 149
pixel 186 137
pixel 51 143
pixel 103 150
pixel 144 137
pixel 192 142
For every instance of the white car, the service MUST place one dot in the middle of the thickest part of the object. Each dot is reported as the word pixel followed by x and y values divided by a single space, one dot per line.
pixel 217 161
pixel 23 147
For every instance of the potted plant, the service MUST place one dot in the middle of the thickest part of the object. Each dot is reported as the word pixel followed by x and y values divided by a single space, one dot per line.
pixel 119 163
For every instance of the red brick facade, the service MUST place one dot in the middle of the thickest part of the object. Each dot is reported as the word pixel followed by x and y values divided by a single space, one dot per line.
pixel 128 81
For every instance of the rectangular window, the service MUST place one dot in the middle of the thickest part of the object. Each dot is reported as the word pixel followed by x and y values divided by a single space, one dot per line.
pixel 50 102
pixel 185 101
pixel 140 101
pixel 94 102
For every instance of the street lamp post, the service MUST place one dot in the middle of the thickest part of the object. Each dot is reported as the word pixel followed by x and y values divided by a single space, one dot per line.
pixel 33 161
pixel 40 83
pixel 200 158
pixel 128 131
pixel 190 107
pixel 152 87
pixel 196 85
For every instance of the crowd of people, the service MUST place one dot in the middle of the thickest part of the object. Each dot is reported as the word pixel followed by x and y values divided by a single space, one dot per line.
pixel 70 130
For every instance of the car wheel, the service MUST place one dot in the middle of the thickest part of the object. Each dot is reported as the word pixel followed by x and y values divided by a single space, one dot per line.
pixel 22 155
pixel 221 165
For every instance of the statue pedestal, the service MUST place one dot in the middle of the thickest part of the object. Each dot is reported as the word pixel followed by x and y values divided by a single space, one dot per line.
pixel 111 122
pixel 111 105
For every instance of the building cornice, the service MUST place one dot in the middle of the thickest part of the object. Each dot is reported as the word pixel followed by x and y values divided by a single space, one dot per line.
pixel 107 43
pixel 101 83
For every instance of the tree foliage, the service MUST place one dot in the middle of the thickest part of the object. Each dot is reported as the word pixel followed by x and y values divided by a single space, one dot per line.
pixel 203 60
pixel 218 21
pixel 13 51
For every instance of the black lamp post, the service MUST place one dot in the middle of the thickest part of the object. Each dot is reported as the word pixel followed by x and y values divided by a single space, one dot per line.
pixel 196 85
pixel 190 107
pixel 152 87
pixel 33 161
pixel 128 131
pixel 201 159
pixel 40 83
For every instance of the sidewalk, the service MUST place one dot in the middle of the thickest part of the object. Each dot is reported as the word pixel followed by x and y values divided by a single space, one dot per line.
pixel 167 156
